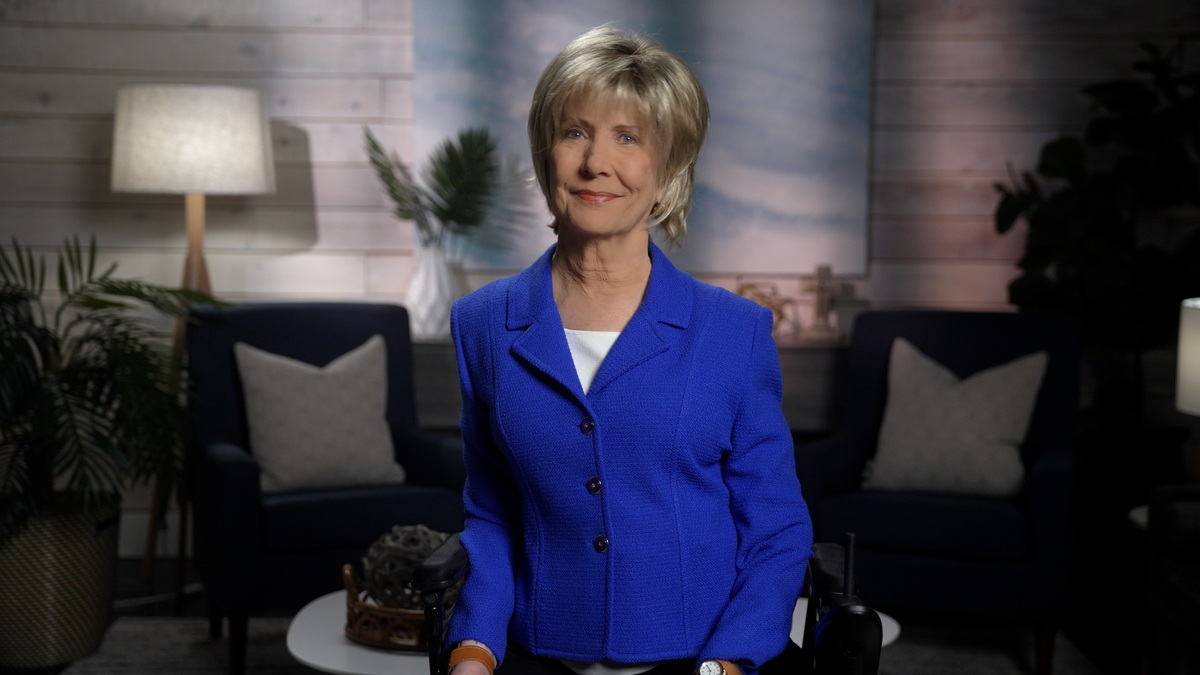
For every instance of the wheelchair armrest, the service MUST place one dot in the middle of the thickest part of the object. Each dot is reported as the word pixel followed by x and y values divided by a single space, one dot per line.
pixel 438 572
pixel 442 568
pixel 828 568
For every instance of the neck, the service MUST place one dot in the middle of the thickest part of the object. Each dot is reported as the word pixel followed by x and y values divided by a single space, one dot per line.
pixel 599 282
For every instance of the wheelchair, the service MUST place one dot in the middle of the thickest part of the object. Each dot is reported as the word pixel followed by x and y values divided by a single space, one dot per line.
pixel 842 635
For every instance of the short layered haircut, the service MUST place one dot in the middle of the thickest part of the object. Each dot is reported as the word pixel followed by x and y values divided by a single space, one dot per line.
pixel 632 69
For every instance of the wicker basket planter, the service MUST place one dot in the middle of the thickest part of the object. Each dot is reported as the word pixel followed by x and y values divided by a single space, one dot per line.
pixel 382 610
pixel 59 575
pixel 376 626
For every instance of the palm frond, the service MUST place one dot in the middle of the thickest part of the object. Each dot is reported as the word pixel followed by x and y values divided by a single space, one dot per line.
pixel 513 209
pixel 27 348
pixel 22 269
pixel 461 179
pixel 89 400
pixel 395 178
pixel 87 455
pixel 173 302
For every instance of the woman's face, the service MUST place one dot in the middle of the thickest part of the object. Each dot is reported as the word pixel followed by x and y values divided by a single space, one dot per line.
pixel 604 167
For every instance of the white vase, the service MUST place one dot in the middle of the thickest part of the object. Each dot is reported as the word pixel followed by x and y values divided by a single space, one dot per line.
pixel 430 294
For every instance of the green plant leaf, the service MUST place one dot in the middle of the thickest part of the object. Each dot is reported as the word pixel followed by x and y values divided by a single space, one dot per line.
pixel 89 401
pixel 397 181
pixel 461 178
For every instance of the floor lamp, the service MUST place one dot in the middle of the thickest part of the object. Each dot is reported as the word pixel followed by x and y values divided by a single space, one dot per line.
pixel 194 141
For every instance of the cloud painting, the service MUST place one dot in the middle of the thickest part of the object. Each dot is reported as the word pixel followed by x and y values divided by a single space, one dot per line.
pixel 782 180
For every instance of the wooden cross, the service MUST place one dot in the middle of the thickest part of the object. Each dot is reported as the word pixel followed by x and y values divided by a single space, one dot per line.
pixel 826 291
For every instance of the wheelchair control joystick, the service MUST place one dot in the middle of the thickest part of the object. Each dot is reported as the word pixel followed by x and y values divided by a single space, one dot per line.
pixel 847 635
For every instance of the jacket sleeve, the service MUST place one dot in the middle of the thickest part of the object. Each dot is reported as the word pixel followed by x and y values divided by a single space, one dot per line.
pixel 773 525
pixel 485 604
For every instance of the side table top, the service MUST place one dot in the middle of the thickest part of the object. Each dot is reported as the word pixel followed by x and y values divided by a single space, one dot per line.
pixel 317 638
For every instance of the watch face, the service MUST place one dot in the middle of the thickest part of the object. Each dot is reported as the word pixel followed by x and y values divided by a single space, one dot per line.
pixel 711 668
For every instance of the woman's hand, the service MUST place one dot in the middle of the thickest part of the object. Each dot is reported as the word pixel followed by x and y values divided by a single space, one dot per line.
pixel 473 667
pixel 470 668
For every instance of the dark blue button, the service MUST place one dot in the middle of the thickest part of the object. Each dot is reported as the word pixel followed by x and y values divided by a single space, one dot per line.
pixel 601 544
pixel 593 485
pixel 587 426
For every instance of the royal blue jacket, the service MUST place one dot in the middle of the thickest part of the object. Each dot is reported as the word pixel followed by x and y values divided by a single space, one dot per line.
pixel 656 517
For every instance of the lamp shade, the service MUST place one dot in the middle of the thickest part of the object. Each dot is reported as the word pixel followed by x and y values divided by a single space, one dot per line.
pixel 1187 374
pixel 184 138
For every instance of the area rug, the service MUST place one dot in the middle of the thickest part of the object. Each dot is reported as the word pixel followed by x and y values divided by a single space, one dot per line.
pixel 180 646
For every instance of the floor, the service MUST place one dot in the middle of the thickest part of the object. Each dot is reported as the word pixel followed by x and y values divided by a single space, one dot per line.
pixel 928 645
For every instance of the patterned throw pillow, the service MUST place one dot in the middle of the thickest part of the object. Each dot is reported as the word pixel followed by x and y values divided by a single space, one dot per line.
pixel 316 427
pixel 942 434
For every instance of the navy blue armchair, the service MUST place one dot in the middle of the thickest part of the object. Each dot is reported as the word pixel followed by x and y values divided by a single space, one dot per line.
pixel 989 556
pixel 258 551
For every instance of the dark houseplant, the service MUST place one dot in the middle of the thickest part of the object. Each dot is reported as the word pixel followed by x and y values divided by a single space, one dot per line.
pixel 1112 220
pixel 88 402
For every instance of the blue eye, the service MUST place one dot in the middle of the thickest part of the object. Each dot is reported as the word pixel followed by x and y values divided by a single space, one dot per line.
pixel 573 133
pixel 626 138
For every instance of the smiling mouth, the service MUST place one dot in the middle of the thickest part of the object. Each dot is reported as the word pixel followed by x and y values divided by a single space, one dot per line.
pixel 595 197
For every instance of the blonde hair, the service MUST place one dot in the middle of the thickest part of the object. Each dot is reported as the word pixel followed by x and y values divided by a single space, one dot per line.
pixel 635 69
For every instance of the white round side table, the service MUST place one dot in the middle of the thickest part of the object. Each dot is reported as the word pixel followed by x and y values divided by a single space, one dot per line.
pixel 317 638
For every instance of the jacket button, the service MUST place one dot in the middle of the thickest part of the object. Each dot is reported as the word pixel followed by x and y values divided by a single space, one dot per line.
pixel 587 426
pixel 601 544
pixel 593 485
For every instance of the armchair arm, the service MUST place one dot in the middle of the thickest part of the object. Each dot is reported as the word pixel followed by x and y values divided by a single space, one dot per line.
pixel 430 459
pixel 828 467
pixel 1048 506
pixel 431 578
pixel 228 505
pixel 1175 522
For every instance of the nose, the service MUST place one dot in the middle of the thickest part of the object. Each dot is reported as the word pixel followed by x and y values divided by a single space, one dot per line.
pixel 596 160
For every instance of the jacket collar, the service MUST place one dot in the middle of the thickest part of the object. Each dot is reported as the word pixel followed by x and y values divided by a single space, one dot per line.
pixel 666 307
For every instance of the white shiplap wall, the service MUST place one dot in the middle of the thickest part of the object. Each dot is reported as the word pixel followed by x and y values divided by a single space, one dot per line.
pixel 327 68
pixel 961 87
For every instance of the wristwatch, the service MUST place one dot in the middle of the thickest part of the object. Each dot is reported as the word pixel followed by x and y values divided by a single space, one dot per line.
pixel 711 667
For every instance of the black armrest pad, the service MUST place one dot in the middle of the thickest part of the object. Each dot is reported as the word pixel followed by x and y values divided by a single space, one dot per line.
pixel 442 568
pixel 1175 521
pixel 828 569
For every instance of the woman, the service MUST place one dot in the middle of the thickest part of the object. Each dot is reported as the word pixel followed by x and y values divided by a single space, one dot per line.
pixel 632 502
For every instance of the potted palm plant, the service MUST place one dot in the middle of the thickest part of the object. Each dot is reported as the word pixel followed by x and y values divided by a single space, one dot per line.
pixel 88 403
pixel 467 195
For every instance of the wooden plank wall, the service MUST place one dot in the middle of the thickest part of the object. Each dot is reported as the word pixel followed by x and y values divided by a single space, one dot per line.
pixel 961 87
pixel 327 67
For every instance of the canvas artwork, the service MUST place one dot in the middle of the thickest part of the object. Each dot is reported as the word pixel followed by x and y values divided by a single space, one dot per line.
pixel 782 180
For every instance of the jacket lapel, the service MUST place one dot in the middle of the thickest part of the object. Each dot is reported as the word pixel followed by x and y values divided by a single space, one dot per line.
pixel 543 344
pixel 652 330
pixel 654 326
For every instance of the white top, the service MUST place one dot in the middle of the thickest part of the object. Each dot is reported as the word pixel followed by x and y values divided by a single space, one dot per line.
pixel 588 349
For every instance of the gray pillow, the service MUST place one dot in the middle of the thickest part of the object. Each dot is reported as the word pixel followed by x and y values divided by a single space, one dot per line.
pixel 316 427
pixel 942 434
